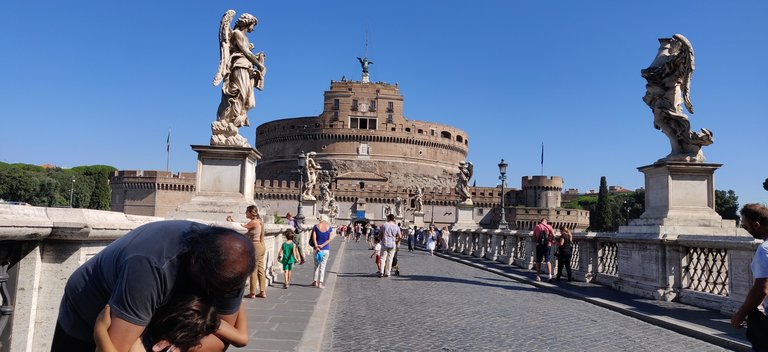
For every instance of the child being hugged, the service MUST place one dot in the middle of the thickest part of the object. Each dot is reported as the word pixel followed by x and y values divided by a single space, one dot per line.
pixel 377 253
pixel 287 256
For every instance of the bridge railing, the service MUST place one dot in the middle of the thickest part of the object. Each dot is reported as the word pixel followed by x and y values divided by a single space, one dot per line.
pixel 41 247
pixel 711 271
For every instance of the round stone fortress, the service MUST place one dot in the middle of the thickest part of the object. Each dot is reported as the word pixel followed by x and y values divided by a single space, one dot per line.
pixel 363 134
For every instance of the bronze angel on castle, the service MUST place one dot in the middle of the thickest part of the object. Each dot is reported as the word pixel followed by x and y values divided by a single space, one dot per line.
pixel 240 71
pixel 668 88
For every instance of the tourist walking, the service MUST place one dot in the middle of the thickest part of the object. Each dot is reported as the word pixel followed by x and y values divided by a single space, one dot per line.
pixel 446 238
pixel 322 234
pixel 287 256
pixel 377 253
pixel 564 252
pixel 411 238
pixel 754 219
pixel 256 233
pixel 389 235
pixel 543 237
pixel 431 238
pixel 297 235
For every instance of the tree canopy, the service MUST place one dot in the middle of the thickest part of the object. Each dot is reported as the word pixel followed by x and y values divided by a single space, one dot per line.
pixel 84 186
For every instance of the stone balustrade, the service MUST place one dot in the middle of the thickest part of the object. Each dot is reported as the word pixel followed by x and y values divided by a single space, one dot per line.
pixel 41 247
pixel 710 271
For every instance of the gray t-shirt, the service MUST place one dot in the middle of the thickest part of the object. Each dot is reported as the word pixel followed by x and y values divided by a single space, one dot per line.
pixel 135 274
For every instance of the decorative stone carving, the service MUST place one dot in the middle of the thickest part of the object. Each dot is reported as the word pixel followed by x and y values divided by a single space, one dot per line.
pixel 241 71
pixel 669 85
pixel 462 184
pixel 387 210
pixel 310 176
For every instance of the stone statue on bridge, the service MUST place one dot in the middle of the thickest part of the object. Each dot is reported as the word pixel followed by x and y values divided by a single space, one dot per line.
pixel 418 201
pixel 668 88
pixel 240 71
pixel 310 176
pixel 462 184
pixel 398 207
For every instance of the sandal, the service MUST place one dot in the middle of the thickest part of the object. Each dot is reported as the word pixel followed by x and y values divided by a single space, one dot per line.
pixel 250 295
pixel 261 295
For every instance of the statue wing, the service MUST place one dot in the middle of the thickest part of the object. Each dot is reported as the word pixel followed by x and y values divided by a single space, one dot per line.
pixel 470 169
pixel 224 34
pixel 361 60
pixel 687 64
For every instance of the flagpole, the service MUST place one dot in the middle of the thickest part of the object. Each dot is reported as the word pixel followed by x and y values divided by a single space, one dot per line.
pixel 542 158
pixel 168 151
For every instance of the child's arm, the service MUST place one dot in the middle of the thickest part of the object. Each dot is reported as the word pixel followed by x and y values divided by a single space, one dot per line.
pixel 236 335
pixel 372 253
pixel 296 253
pixel 280 253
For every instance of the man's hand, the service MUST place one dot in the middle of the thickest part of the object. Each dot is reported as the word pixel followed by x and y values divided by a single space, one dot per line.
pixel 738 319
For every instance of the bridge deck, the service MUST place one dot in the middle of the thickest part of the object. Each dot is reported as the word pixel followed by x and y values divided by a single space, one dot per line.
pixel 461 304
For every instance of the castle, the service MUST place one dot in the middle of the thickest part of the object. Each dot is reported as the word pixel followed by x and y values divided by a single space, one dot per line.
pixel 377 155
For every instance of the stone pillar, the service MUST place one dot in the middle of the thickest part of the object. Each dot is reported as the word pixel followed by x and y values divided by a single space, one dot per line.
pixel 224 185
pixel 418 219
pixel 465 217
pixel 309 209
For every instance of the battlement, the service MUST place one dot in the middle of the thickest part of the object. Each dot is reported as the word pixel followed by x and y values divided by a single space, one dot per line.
pixel 542 181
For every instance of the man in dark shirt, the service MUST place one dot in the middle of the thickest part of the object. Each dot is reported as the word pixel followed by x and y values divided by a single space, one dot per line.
pixel 138 273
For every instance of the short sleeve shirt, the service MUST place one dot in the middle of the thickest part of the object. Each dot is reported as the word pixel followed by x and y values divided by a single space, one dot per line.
pixel 135 274
pixel 391 231
pixel 760 265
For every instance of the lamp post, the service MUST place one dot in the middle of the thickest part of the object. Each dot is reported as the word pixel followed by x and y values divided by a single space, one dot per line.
pixel 71 191
pixel 302 160
pixel 432 222
pixel 503 178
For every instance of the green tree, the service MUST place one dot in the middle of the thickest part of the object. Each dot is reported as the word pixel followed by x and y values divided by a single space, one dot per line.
pixel 727 204
pixel 601 219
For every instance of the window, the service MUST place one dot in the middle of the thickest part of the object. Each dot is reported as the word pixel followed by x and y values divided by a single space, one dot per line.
pixel 335 116
pixel 335 104
pixel 372 107
pixel 431 131
pixel 421 131
pixel 363 123
pixel 390 119
pixel 445 134
pixel 459 139
pixel 390 106
pixel 479 211
pixel 354 104
pixel 407 129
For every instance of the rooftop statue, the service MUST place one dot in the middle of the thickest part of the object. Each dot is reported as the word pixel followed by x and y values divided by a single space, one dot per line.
pixel 462 184
pixel 669 86
pixel 240 71
pixel 364 63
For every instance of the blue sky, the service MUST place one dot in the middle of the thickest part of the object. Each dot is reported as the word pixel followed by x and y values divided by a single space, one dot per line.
pixel 89 82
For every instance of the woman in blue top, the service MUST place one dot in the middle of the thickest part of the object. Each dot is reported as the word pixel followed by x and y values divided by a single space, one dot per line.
pixel 322 234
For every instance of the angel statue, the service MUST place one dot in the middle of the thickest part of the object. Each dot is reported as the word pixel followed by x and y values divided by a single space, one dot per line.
pixel 462 184
pixel 398 207
pixel 241 71
pixel 418 202
pixel 310 176
pixel 669 87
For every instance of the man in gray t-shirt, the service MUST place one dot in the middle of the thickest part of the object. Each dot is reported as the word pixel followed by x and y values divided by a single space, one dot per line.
pixel 137 273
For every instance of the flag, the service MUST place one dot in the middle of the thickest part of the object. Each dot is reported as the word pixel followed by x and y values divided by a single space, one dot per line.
pixel 168 142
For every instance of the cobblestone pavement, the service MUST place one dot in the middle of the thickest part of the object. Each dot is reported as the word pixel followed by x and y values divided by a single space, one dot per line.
pixel 441 305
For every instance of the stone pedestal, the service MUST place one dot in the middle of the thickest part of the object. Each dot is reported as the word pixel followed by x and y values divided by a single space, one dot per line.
pixel 465 217
pixel 309 209
pixel 224 185
pixel 418 219
pixel 680 198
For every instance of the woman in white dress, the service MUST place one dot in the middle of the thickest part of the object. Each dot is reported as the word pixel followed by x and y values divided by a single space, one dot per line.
pixel 431 240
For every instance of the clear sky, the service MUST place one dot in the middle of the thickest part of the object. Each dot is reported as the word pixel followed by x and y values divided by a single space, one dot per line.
pixel 101 82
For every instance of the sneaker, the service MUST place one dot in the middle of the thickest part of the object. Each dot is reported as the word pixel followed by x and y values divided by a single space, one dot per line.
pixel 538 278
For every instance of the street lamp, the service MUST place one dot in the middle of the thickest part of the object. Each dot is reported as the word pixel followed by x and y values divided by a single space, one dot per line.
pixel 72 191
pixel 503 178
pixel 302 160
pixel 432 222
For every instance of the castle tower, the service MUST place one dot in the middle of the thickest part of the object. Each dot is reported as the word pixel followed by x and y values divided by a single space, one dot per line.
pixel 542 191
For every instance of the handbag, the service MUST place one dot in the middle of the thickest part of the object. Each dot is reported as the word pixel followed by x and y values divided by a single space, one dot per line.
pixel 757 329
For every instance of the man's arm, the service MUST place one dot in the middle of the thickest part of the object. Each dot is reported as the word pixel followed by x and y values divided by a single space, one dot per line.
pixel 122 333
pixel 755 296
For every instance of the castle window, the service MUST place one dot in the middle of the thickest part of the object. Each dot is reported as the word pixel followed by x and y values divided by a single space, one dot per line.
pixel 354 104
pixel 390 119
pixel 431 131
pixel 335 116
pixel 363 123
pixel 390 106
pixel 479 211
pixel 445 134
pixel 407 129
pixel 459 139
pixel 421 131
pixel 372 107
pixel 335 104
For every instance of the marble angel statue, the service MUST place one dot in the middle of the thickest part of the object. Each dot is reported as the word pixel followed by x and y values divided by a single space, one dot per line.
pixel 667 90
pixel 462 184
pixel 240 71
